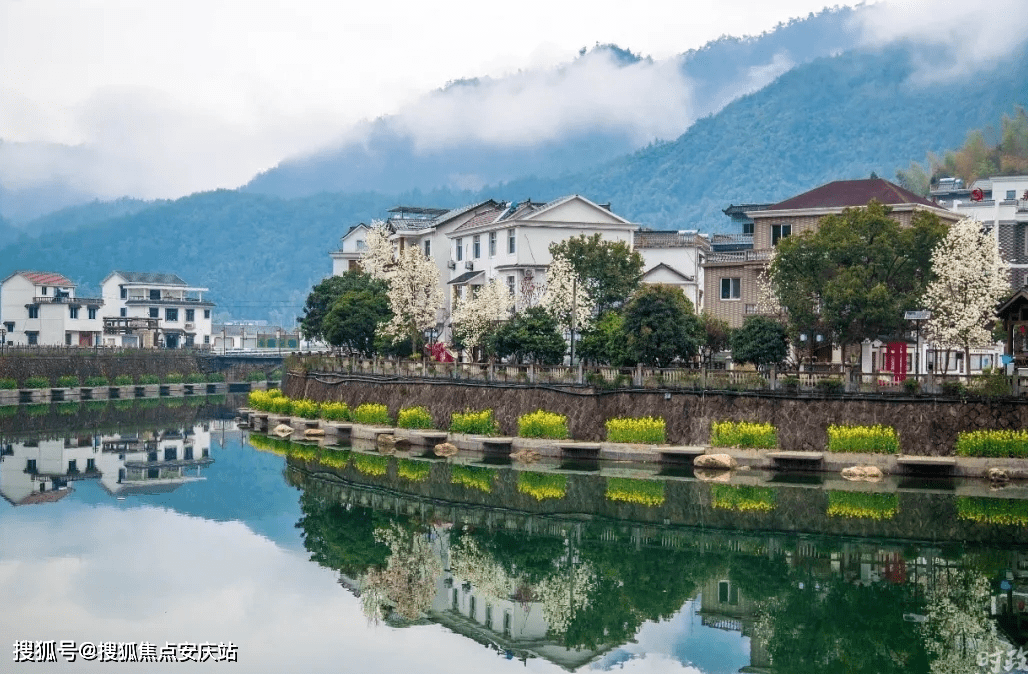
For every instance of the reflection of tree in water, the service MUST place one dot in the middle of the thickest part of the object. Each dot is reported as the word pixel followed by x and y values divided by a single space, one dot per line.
pixel 958 627
pixel 408 582
pixel 341 537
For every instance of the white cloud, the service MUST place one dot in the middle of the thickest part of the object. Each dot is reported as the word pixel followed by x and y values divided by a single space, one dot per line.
pixel 963 37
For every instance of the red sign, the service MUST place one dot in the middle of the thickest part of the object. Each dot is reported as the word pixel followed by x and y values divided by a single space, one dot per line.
pixel 977 194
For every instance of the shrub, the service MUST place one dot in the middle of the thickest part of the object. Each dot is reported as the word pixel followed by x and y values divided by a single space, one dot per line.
pixel 743 498
pixel 473 477
pixel 862 505
pixel 791 383
pixel 631 490
pixel 97 381
pixel 1004 511
pixel 474 423
pixel 147 379
pixel 372 414
pixel 259 400
pixel 543 424
pixel 280 405
pixel 371 464
pixel 993 443
pixel 275 393
pixel 830 386
pixel 37 382
pixel 911 386
pixel 414 417
pixel 542 486
pixel 743 434
pixel 308 409
pixel 123 380
pixel 415 471
pixel 215 378
pixel 953 388
pixel 68 381
pixel 195 378
pixel 8 384
pixel 335 411
pixel 876 439
pixel 255 376
pixel 643 430
pixel 173 378
pixel 992 383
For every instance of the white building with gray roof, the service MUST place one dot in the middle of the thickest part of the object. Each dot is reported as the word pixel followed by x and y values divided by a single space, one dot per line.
pixel 146 309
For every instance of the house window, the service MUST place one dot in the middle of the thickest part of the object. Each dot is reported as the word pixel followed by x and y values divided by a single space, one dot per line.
pixel 731 288
pixel 510 285
pixel 124 292
pixel 492 244
pixel 92 313
pixel 489 616
pixel 460 249
pixel 474 290
pixel 155 294
pixel 511 242
pixel 206 339
pixel 751 308
pixel 73 466
pixel 206 313
pixel 73 312
pixel 471 608
pixel 456 600
pixel 747 228
pixel 1011 195
pixel 361 245
pixel 67 339
pixel 190 315
pixel 171 314
pixel 155 312
pixel 9 326
pixel 123 312
pixel 428 247
pixel 476 245
pixel 30 465
pixel 507 620
pixel 33 311
pixel 43 290
pixel 779 232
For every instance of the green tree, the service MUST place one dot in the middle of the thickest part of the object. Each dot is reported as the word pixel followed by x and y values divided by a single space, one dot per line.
pixel 530 335
pixel 610 269
pixel 355 316
pixel 715 336
pixel 661 326
pixel 323 296
pixel 604 341
pixel 761 341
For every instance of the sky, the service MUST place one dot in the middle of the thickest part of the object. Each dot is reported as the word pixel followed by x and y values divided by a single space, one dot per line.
pixel 160 98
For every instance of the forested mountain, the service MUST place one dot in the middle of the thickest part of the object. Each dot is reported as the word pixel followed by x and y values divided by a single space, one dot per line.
pixel 74 217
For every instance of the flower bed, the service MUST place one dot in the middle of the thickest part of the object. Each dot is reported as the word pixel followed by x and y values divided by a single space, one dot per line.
pixel 743 434
pixel 415 471
pixel 543 424
pixel 993 443
pixel 307 409
pixel 542 486
pixel 876 439
pixel 646 430
pixel 631 490
pixel 335 411
pixel 372 414
pixel 742 498
pixel 414 417
pixel 473 477
pixel 862 505
pixel 474 423
pixel 1004 511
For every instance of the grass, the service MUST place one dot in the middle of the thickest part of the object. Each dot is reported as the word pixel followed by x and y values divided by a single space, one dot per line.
pixel 876 439
pixel 543 424
pixel 993 443
pixel 647 430
pixel 631 490
pixel 862 505
pixel 542 486
pixel 742 498
pixel 743 434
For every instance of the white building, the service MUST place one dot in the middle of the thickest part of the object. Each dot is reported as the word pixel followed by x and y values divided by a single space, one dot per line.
pixel 675 259
pixel 146 310
pixel 41 308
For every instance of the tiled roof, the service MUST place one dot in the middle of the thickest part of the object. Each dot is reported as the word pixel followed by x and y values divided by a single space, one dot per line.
pixel 849 193
pixel 483 218
pixel 455 212
pixel 47 278
pixel 148 277
pixel 51 496
pixel 668 239
pixel 465 277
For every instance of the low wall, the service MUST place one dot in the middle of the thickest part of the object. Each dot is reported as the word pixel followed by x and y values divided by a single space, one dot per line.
pixel 21 364
pixel 925 426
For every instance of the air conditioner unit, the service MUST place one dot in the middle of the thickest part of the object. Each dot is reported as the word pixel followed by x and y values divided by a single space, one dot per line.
pixel 451 264
pixel 470 266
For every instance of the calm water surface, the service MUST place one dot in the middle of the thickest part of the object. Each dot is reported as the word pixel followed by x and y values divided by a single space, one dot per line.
pixel 180 529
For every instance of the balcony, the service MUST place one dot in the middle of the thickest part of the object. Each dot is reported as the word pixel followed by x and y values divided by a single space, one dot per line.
pixel 178 301
pixel 64 299
pixel 739 256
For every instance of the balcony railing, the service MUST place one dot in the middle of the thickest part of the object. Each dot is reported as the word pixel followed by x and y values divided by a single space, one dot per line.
pixel 739 256
pixel 166 300
pixel 63 299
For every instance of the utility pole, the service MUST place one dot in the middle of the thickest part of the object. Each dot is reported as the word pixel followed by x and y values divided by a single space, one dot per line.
pixel 574 312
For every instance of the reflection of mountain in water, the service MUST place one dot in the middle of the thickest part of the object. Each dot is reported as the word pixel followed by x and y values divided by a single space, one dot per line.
pixel 575 587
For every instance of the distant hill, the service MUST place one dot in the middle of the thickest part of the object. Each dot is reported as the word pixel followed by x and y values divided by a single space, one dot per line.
pixel 84 215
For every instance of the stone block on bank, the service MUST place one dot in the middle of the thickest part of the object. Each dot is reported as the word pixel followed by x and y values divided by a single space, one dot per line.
pixel 715 461
pixel 283 431
pixel 526 455
pixel 446 449
pixel 863 473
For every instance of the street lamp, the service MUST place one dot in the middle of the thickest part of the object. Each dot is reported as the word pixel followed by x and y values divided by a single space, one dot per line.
pixel 917 317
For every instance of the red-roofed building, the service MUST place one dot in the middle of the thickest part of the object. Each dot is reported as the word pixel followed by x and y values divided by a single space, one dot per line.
pixel 38 307
pixel 730 278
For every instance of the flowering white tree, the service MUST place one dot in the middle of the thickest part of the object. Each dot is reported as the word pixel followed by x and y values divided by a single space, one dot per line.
pixel 377 259
pixel 566 297
pixel 971 278
pixel 475 315
pixel 414 295
pixel 409 580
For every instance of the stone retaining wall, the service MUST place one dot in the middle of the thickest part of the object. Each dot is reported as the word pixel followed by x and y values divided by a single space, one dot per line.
pixel 925 426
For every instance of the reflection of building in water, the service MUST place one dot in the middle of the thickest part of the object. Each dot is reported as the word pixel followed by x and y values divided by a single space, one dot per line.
pixel 40 471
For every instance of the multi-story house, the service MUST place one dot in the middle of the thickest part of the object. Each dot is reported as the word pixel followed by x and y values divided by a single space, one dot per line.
pixel 1001 204
pixel 675 259
pixel 149 310
pixel 40 308
pixel 731 275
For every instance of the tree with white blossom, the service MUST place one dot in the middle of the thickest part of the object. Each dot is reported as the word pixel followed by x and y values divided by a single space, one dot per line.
pixel 479 313
pixel 971 279
pixel 414 295
pixel 377 259
pixel 566 298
